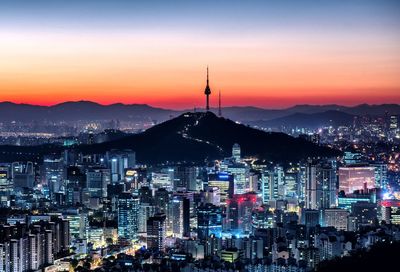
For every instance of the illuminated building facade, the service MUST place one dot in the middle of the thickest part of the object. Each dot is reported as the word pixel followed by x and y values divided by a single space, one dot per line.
pixel 354 178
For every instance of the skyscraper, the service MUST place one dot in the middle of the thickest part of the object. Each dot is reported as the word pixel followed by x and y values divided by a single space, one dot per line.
pixel 128 210
pixel 225 183
pixel 156 231
pixel 209 221
pixel 236 153
pixel 180 215
pixel 320 185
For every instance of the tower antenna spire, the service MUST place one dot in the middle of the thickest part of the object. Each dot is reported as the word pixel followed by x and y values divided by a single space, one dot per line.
pixel 207 92
pixel 219 104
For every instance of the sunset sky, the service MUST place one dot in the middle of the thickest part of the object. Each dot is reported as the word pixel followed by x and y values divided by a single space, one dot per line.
pixel 269 54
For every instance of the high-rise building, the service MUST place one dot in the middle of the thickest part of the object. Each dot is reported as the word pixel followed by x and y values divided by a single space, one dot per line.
pixel 161 200
pixel 273 184
pixel 6 186
pixel 119 161
pixel 213 196
pixel 310 218
pixel 185 178
pixel 352 158
pixel 33 247
pixel 23 175
pixel 240 172
pixel 381 174
pixel 239 212
pixel 180 215
pixel 97 179
pixel 156 231
pixel 225 183
pixel 146 211
pixel 52 173
pixel 236 152
pixel 75 181
pixel 337 218
pixel 128 213
pixel 320 185
pixel 394 122
pixel 352 178
pixel 209 221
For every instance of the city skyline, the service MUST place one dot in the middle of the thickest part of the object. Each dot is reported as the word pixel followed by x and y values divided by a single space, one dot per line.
pixel 203 136
pixel 265 54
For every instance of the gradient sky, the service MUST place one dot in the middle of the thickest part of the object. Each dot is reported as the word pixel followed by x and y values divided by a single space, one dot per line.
pixel 261 53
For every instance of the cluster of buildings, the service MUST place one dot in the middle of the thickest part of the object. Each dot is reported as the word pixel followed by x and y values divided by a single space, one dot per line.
pixel 265 217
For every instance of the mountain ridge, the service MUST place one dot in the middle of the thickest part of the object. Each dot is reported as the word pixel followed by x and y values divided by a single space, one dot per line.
pixel 87 110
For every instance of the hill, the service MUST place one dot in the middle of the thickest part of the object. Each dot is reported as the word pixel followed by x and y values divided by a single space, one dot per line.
pixel 195 137
pixel 192 137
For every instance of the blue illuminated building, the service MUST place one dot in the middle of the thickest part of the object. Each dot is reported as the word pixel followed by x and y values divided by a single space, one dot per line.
pixel 209 221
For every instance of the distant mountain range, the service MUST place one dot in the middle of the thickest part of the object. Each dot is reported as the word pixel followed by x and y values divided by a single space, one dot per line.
pixel 308 120
pixel 85 110
pixel 194 137
pixel 81 110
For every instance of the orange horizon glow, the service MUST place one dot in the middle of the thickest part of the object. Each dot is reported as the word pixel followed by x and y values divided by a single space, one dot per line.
pixel 169 70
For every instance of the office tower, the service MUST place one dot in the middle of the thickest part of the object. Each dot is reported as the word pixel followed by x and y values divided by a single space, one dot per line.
pixel 292 179
pixel 310 218
pixel 156 231
pixel 239 212
pixel 269 188
pixel 74 183
pixel 328 181
pixel 97 179
pixel 320 186
pixel 273 184
pixel 381 174
pixel 236 153
pixel 337 218
pixel 185 178
pixel 23 175
pixel 352 158
pixel 161 200
pixel 209 221
pixel 352 178
pixel 394 122
pixel 346 201
pixel 146 211
pixel 163 179
pixel 52 172
pixel 240 174
pixel 390 211
pixel 180 216
pixel 262 218
pixel 128 211
pixel 253 182
pixel 213 196
pixel 6 186
pixel 119 161
pixel 225 183
pixel 78 223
